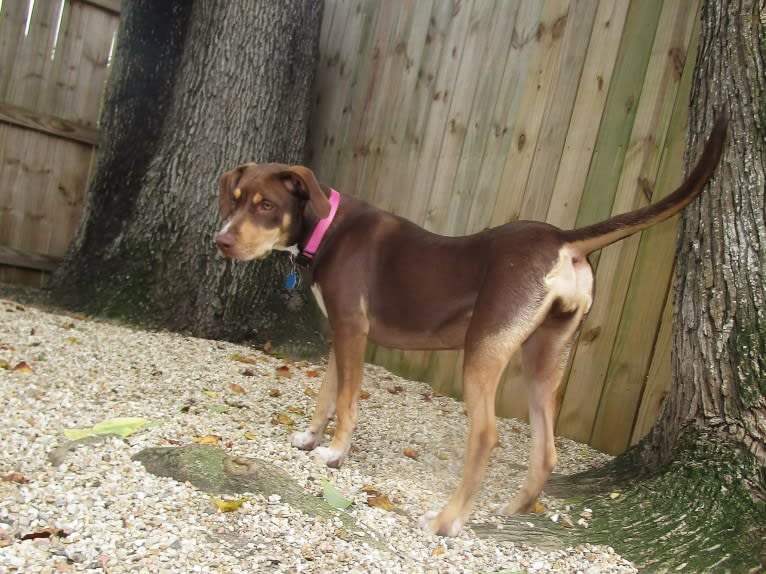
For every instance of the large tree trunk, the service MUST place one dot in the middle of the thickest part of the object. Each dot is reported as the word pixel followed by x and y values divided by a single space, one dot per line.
pixel 196 88
pixel 719 360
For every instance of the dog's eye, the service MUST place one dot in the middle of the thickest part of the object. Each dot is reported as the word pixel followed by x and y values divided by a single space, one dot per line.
pixel 266 205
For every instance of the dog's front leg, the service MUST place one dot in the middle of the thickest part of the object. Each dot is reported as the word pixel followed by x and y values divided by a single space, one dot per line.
pixel 349 343
pixel 325 409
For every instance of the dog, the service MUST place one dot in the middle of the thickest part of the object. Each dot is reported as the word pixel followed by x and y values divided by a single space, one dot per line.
pixel 380 277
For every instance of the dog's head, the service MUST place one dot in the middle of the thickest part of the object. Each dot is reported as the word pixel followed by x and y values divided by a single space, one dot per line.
pixel 264 208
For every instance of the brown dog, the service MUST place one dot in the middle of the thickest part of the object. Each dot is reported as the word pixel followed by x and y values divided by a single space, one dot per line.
pixel 377 276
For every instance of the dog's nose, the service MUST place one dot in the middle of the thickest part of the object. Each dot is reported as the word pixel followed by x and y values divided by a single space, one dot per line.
pixel 224 241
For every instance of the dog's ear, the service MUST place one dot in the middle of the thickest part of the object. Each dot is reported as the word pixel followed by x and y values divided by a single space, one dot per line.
pixel 226 187
pixel 302 182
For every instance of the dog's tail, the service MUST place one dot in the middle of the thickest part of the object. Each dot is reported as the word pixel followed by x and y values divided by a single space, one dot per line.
pixel 594 237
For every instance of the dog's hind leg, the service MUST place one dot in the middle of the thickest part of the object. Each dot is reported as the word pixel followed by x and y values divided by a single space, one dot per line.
pixel 544 356
pixel 325 409
pixel 481 375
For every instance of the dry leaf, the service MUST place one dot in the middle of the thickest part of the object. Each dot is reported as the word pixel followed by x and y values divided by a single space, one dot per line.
pixel 248 373
pixel 313 373
pixel 211 394
pixel 614 495
pixel 283 371
pixel 23 367
pixel 282 419
pixel 364 395
pixel 173 441
pixel 382 501
pixel 566 522
pixel 4 364
pixel 296 410
pixel 207 439
pixel 229 505
pixel 16 477
pixel 309 392
pixel 73 341
pixel 410 453
pixel 250 436
pixel 237 389
pixel 329 431
pixel 438 551
pixel 274 393
pixel 426 397
pixel 538 507
pixel 243 359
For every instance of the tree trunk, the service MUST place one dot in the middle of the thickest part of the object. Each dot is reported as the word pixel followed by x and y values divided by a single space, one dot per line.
pixel 700 503
pixel 719 364
pixel 196 88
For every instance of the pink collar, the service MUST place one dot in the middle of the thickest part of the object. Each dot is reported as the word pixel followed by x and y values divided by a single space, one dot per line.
pixel 311 247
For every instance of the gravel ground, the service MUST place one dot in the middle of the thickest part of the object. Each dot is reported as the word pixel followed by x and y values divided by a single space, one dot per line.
pixel 99 511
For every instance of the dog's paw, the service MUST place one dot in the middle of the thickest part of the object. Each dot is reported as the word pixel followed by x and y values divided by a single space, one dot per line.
pixel 305 440
pixel 329 456
pixel 434 523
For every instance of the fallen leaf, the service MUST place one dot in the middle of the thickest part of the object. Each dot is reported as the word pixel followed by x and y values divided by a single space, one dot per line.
pixel 282 419
pixel 248 373
pixel 23 367
pixel 243 359
pixel 538 507
pixel 274 393
pixel 45 533
pixel 426 397
pixel 614 495
pixel 381 501
pixel 210 439
pixel 364 395
pixel 211 394
pixel 329 431
pixel 283 371
pixel 237 389
pixel 16 477
pixel 174 441
pixel 566 522
pixel 313 373
pixel 296 410
pixel 120 426
pixel 251 436
pixel 333 496
pixel 73 341
pixel 410 453
pixel 395 390
pixel 370 490
pixel 225 505
pixel 309 392
pixel 4 364
pixel 438 551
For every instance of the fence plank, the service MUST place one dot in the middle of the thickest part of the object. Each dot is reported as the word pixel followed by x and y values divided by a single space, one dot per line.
pixel 641 316
pixel 653 114
pixel 658 379
pixel 588 111
pixel 50 125
pixel 559 103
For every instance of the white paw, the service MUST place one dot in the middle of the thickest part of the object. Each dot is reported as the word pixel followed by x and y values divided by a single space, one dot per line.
pixel 305 440
pixel 430 523
pixel 329 456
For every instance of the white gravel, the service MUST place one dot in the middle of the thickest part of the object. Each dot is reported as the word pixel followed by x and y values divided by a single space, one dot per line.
pixel 99 511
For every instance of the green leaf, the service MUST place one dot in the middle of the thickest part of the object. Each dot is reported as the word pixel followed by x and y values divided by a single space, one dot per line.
pixel 334 497
pixel 120 426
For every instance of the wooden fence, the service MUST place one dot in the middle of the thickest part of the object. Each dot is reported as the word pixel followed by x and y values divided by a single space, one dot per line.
pixel 54 56
pixel 458 114
pixel 470 113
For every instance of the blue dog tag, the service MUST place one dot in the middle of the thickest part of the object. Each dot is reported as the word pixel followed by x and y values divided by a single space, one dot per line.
pixel 292 281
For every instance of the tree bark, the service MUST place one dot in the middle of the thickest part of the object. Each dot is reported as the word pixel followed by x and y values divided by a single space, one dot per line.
pixel 719 360
pixel 196 88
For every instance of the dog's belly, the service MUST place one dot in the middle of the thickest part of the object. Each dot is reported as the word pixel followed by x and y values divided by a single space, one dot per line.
pixel 421 335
